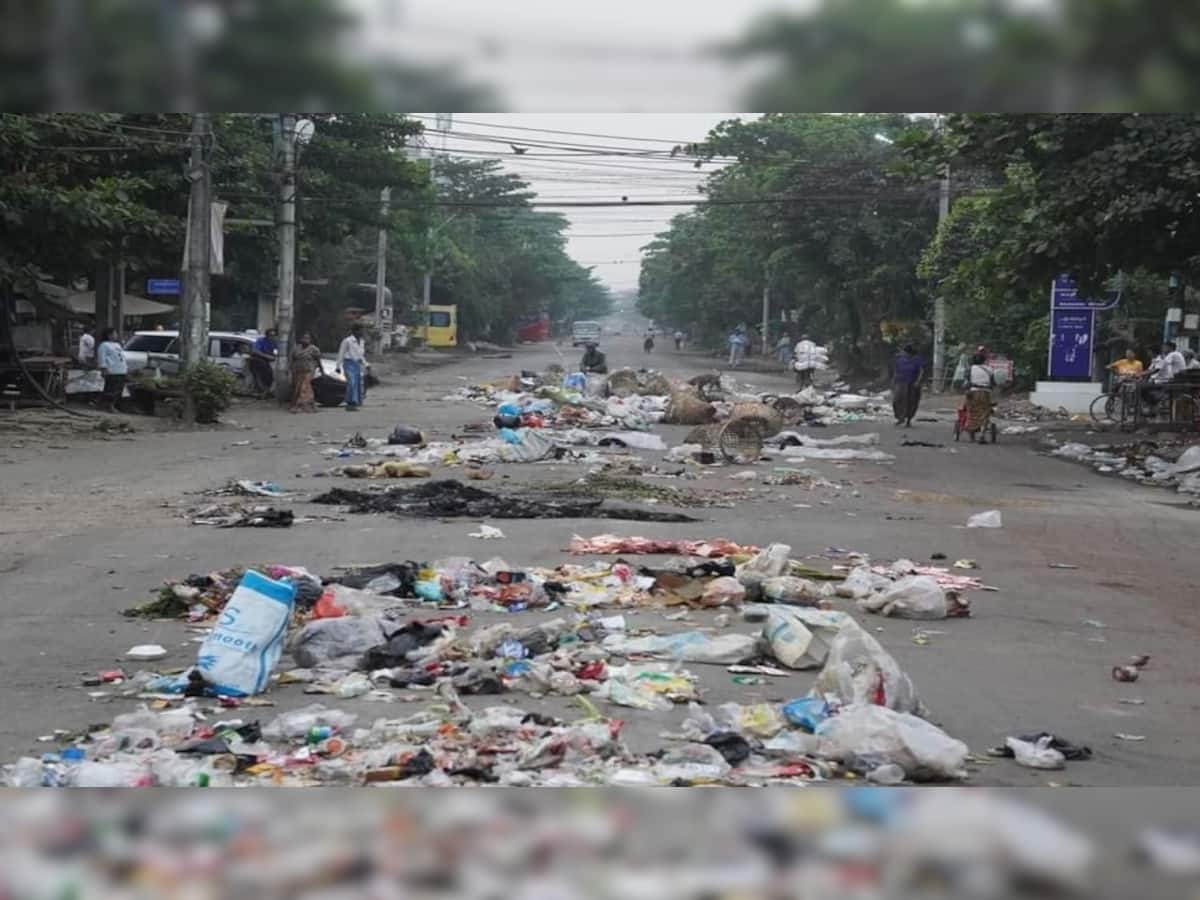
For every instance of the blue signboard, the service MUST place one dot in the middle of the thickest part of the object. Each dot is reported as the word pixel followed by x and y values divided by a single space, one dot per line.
pixel 161 286
pixel 1065 295
pixel 1071 343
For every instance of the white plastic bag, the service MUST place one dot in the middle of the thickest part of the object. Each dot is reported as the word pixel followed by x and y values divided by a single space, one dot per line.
pixel 770 562
pixel 241 651
pixel 859 671
pixel 822 627
pixel 789 640
pixel 912 597
pixel 989 519
pixel 881 735
pixel 323 641
pixel 1036 756
pixel 688 646
pixel 861 582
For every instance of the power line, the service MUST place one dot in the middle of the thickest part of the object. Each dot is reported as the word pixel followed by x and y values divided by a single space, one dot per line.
pixel 611 137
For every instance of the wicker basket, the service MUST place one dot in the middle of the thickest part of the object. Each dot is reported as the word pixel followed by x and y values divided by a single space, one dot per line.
pixel 737 441
pixel 770 420
pixel 687 408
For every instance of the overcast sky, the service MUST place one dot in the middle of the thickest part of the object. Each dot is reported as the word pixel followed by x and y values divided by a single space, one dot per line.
pixel 608 238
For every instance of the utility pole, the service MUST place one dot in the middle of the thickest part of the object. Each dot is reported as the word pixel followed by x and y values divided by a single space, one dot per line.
pixel 766 319
pixel 939 302
pixel 285 302
pixel 385 202
pixel 199 253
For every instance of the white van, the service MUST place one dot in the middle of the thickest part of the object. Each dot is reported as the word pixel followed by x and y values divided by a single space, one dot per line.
pixel 585 333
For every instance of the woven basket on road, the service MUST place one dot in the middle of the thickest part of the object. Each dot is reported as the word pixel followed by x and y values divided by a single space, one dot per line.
pixel 687 408
pixel 770 420
pixel 737 440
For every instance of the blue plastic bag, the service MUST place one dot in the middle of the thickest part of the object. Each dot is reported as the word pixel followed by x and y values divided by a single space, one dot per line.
pixel 242 649
pixel 806 712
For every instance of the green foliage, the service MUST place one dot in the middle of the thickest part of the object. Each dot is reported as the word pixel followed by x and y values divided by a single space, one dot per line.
pixel 978 54
pixel 210 388
pixel 839 246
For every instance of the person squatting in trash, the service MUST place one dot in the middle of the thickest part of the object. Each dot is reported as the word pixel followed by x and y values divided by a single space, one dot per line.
pixel 594 362
pixel 350 358
pixel 906 385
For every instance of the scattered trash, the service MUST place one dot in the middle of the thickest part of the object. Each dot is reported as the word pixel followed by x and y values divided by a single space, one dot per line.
pixel 241 651
pixel 403 435
pixel 1126 673
pixel 258 489
pixel 146 652
pixel 1174 852
pixel 488 533
pixel 1136 738
pixel 612 545
pixel 915 597
pixel 865 736
pixel 965 564
pixel 244 517
pixel 989 519
pixel 1062 566
pixel 453 499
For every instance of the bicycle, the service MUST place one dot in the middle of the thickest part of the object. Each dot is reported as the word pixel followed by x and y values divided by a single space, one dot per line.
pixel 1119 406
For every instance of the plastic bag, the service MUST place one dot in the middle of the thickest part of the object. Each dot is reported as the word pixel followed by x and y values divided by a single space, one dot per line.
pixel 241 651
pixel 1036 756
pixel 337 600
pixel 912 597
pixel 326 640
pixel 688 646
pixel 822 626
pixel 770 562
pixel 876 736
pixel 861 582
pixel 299 722
pixel 722 591
pixel 759 720
pixel 859 671
pixel 692 762
pixel 793 591
pixel 806 712
pixel 989 519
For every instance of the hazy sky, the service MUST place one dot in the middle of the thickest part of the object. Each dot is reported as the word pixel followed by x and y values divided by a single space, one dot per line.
pixel 551 55
pixel 608 238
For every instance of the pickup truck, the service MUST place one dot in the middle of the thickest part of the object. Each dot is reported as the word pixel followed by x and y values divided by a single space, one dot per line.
pixel 585 333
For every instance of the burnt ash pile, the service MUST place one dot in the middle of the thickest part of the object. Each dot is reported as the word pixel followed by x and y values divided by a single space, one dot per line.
pixel 453 499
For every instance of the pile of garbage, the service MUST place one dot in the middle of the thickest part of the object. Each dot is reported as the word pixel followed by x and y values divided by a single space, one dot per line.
pixel 1147 462
pixel 357 636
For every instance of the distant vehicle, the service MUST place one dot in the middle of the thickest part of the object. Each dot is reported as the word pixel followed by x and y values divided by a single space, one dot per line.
pixel 585 333
pixel 533 329
pixel 160 350
pixel 441 328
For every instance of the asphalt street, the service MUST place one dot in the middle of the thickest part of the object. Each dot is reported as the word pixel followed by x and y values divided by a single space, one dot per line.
pixel 89 528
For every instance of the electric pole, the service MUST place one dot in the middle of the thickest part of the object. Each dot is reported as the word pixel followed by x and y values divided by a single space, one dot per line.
pixel 939 302
pixel 285 302
pixel 766 319
pixel 385 202
pixel 199 253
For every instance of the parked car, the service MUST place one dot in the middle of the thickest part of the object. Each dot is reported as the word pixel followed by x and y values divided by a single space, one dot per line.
pixel 160 350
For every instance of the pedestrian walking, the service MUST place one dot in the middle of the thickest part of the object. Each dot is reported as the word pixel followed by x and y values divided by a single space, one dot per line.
pixel 110 357
pixel 906 385
pixel 87 349
pixel 305 363
pixel 350 360
pixel 737 346
pixel 678 339
pixel 806 359
pixel 262 362
pixel 783 350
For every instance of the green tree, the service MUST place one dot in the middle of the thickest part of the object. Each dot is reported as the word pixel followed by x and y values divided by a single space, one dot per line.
pixel 978 54
pixel 811 208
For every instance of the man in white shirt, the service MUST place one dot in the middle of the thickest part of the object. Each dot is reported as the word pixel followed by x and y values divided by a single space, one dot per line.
pixel 807 358
pixel 1165 368
pixel 350 358
pixel 87 350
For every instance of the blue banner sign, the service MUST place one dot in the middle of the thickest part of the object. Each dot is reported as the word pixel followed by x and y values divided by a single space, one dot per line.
pixel 163 286
pixel 1071 343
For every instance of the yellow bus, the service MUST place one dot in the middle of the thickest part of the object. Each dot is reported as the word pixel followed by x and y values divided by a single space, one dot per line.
pixel 441 327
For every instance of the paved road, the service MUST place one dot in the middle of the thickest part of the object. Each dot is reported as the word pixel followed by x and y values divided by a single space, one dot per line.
pixel 90 529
